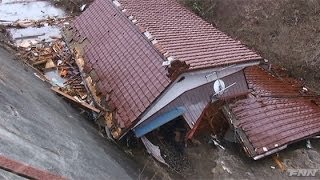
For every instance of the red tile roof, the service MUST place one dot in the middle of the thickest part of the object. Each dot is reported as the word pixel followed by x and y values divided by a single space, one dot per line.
pixel 122 58
pixel 130 65
pixel 277 115
pixel 185 36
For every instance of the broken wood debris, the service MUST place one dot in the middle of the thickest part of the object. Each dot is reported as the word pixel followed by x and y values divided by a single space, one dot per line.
pixel 279 163
pixel 76 100
pixel 36 23
pixel 56 64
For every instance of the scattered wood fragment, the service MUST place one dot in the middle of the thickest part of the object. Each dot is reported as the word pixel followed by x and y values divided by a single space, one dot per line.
pixel 82 104
pixel 37 23
pixel 40 62
pixel 279 163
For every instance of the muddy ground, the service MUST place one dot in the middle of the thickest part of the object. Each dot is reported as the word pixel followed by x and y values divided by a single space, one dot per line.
pixel 72 6
pixel 284 32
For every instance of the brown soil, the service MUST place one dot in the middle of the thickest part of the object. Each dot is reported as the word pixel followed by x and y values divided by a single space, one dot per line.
pixel 285 32
pixel 72 6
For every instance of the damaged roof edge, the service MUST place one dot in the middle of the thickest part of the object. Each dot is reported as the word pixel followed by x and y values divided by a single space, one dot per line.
pixel 270 152
pixel 276 114
pixel 132 95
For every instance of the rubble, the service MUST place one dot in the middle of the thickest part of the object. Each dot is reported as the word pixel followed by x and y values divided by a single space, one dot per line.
pixel 50 21
pixel 308 144
pixel 279 163
pixel 57 64
pixel 39 43
pixel 75 99
pixel 153 150
pixel 216 142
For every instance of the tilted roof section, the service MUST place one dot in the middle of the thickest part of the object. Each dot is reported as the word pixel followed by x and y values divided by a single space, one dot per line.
pixel 279 113
pixel 185 36
pixel 128 66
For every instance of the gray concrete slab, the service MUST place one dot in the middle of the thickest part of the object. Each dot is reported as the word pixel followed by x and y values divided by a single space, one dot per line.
pixel 5 175
pixel 39 128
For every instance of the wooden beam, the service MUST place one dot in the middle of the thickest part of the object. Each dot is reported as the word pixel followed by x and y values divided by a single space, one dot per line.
pixel 40 62
pixel 82 104
pixel 25 170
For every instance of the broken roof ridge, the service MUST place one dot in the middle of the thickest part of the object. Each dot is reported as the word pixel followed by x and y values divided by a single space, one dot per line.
pixel 273 88
pixel 285 119
pixel 144 32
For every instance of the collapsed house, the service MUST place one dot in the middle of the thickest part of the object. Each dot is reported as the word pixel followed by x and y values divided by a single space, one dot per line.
pixel 276 112
pixel 155 62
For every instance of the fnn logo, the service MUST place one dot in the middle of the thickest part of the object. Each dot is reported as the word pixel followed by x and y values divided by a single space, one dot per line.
pixel 302 172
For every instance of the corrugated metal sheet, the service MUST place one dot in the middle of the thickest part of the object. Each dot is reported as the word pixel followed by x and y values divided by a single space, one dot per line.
pixel 197 99
pixel 278 114
pixel 153 150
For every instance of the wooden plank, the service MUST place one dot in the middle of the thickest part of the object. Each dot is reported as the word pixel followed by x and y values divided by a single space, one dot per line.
pixel 83 104
pixel 25 170
pixel 40 62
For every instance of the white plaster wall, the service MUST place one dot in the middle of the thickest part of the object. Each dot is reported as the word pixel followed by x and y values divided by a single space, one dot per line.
pixel 191 81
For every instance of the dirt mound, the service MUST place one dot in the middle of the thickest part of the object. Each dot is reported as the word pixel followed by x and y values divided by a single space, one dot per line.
pixel 285 32
pixel 73 6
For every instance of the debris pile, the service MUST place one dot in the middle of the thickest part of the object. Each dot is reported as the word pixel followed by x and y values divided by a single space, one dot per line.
pixel 37 40
pixel 55 61
pixel 50 56
pixel 50 21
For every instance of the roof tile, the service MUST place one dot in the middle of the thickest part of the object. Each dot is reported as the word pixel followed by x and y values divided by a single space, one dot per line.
pixel 129 64
pixel 113 52
pixel 279 114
